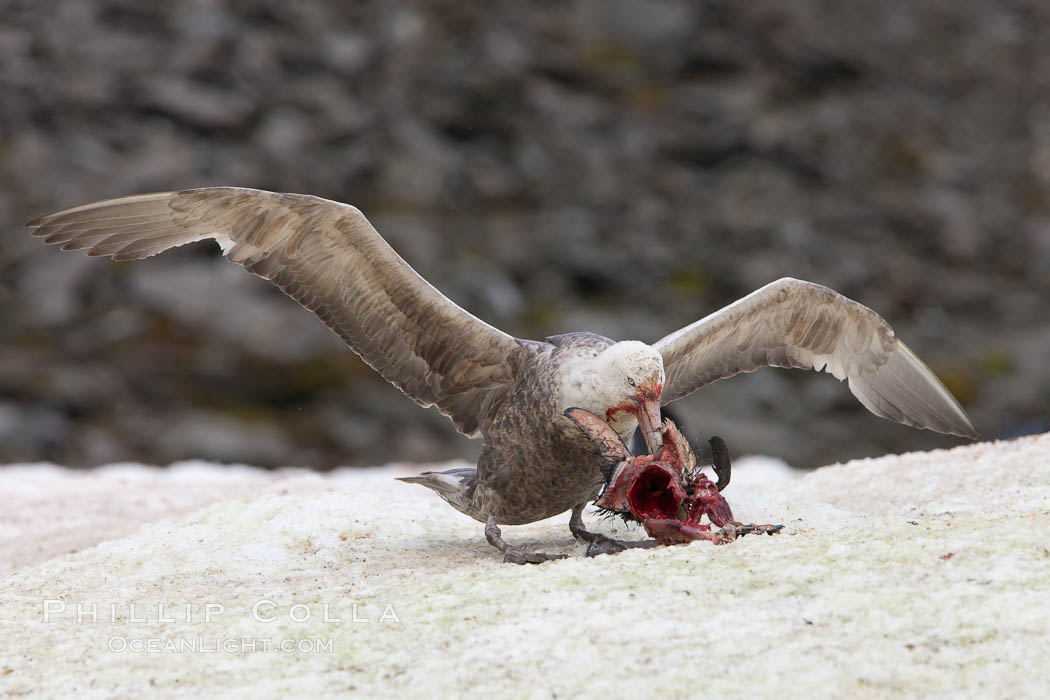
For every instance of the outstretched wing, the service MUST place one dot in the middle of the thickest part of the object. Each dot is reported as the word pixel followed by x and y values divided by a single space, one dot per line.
pixel 791 323
pixel 326 256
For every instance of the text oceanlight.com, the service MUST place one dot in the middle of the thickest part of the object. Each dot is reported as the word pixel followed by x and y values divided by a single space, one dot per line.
pixel 215 645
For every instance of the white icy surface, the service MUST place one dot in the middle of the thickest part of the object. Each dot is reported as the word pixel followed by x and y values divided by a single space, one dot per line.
pixel 926 574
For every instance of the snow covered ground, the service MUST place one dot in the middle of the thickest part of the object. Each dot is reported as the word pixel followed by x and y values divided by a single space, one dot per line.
pixel 926 574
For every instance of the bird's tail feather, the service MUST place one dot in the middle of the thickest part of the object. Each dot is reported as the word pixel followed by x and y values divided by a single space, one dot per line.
pixel 456 486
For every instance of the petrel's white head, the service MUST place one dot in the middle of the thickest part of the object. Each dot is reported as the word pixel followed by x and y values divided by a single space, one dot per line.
pixel 622 384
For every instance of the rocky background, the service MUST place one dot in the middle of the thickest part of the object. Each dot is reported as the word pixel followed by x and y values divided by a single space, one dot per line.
pixel 623 166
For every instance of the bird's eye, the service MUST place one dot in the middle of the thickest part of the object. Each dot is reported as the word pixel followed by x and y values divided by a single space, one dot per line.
pixel 630 380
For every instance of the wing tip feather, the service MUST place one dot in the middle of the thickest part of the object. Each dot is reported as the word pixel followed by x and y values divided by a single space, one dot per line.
pixel 43 219
pixel 907 391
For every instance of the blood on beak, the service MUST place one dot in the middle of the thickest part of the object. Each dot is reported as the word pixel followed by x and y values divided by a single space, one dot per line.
pixel 649 422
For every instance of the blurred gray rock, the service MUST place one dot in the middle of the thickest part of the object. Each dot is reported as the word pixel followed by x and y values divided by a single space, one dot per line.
pixel 623 166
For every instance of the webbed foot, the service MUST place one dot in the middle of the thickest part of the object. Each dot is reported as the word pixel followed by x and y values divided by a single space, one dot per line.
pixel 607 545
pixel 515 555
pixel 598 543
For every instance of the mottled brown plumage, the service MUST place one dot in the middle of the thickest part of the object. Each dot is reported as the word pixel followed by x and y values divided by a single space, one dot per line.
pixel 534 463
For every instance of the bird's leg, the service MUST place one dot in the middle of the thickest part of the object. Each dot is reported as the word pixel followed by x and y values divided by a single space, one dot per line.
pixel 599 543
pixel 514 555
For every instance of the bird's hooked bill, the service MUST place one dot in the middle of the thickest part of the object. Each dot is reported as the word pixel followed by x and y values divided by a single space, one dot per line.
pixel 649 422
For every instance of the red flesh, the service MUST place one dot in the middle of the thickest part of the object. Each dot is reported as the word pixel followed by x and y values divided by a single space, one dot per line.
pixel 653 489
pixel 654 493
pixel 664 491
